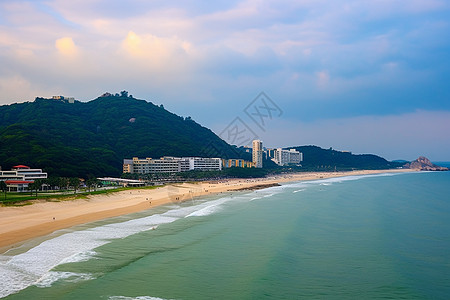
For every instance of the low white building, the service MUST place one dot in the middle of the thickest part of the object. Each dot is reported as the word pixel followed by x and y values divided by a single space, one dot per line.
pixel 200 163
pixel 287 157
pixel 20 177
pixel 121 181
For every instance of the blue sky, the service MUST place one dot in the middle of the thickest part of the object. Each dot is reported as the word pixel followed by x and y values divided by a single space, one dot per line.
pixel 366 76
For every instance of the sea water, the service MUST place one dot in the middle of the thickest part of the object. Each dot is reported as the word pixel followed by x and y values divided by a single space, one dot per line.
pixel 359 237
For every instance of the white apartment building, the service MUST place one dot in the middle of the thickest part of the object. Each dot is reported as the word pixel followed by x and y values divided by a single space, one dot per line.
pixel 170 164
pixel 149 165
pixel 257 153
pixel 286 157
pixel 270 153
pixel 200 163
pixel 163 165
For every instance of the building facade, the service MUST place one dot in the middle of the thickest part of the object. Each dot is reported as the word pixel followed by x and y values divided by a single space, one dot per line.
pixel 287 157
pixel 238 163
pixel 19 177
pixel 201 163
pixel 170 164
pixel 270 153
pixel 257 153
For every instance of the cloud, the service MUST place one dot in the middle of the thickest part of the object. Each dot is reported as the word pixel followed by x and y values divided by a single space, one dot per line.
pixel 318 59
pixel 323 77
pixel 19 88
pixel 387 7
pixel 66 46
pixel 153 47
pixel 133 44
pixel 167 60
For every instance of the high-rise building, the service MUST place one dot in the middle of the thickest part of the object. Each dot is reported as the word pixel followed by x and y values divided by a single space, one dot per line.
pixel 257 153
pixel 270 153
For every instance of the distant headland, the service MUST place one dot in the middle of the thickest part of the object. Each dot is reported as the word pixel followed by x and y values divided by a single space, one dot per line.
pixel 424 164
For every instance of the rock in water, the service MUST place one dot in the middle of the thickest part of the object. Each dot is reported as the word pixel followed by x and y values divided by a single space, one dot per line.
pixel 424 164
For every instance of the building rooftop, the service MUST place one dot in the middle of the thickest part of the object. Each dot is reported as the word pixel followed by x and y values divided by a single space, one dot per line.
pixel 18 181
pixel 21 167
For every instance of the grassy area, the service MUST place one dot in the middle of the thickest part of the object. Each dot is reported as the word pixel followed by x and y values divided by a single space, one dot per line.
pixel 24 198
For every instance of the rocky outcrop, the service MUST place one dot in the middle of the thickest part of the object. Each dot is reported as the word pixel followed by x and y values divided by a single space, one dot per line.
pixel 424 164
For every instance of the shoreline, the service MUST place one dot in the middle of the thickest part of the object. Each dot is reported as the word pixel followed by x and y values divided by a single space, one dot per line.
pixel 21 224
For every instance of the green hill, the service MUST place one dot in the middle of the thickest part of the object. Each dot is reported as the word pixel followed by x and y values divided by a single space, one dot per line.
pixel 316 158
pixel 92 138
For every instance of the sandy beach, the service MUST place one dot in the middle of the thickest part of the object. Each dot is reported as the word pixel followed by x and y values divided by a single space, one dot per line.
pixel 19 224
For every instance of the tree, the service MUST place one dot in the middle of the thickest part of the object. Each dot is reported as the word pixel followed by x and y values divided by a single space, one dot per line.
pixel 124 94
pixel 63 183
pixel 92 182
pixel 3 187
pixel 75 183
pixel 53 182
pixel 34 186
pixel 91 139
pixel 39 183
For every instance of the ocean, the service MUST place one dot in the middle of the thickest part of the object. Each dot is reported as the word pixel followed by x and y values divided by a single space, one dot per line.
pixel 384 236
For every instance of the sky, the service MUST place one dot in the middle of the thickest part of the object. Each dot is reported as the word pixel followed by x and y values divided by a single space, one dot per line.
pixel 361 76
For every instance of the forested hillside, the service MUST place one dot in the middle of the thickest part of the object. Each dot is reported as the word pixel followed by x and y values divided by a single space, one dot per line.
pixel 92 138
pixel 316 158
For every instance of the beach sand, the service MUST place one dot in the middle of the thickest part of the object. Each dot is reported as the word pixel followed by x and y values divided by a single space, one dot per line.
pixel 19 224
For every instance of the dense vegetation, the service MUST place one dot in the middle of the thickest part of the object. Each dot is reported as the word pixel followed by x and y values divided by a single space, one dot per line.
pixel 316 158
pixel 92 139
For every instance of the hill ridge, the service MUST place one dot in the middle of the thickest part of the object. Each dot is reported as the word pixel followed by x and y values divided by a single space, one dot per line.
pixel 92 138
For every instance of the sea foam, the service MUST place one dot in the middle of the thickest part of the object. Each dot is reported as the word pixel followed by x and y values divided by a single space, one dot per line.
pixel 135 298
pixel 34 266
pixel 25 269
pixel 332 180
pixel 49 278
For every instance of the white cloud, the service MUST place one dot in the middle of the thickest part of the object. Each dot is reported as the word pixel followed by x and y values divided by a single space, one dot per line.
pixel 155 48
pixel 66 47
pixel 17 88
pixel 322 52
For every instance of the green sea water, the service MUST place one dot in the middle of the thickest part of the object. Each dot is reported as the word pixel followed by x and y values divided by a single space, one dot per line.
pixel 364 237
